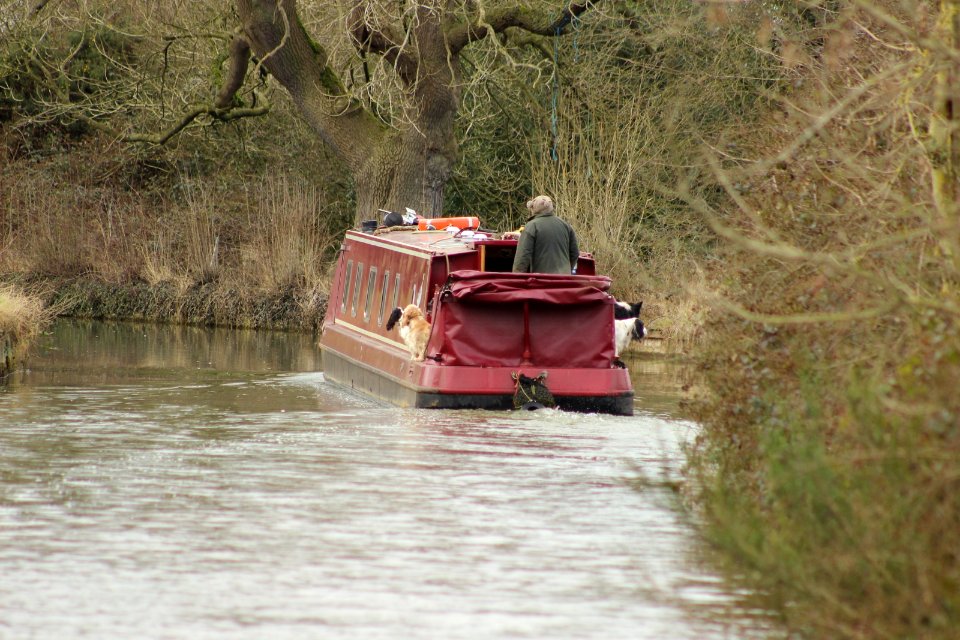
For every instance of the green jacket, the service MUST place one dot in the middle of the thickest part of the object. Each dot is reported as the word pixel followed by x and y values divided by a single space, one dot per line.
pixel 547 245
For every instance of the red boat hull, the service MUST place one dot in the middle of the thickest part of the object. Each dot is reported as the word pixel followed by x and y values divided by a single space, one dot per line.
pixel 430 386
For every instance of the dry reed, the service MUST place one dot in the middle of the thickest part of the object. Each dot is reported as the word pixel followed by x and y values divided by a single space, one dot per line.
pixel 292 233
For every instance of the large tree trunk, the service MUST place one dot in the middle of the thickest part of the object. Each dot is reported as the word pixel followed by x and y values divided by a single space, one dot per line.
pixel 409 163
pixel 392 168
pixel 406 169
pixel 411 167
pixel 277 38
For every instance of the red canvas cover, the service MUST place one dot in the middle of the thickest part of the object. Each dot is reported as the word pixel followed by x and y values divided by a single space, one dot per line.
pixel 486 286
pixel 482 320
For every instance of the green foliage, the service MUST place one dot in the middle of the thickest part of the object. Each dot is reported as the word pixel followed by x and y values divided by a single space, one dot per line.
pixel 20 82
pixel 829 458
pixel 37 73
pixel 661 74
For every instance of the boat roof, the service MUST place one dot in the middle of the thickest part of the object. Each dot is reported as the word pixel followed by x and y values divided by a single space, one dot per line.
pixel 435 242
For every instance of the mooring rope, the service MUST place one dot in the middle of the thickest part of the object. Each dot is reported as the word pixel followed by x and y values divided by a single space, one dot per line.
pixel 555 98
pixel 556 93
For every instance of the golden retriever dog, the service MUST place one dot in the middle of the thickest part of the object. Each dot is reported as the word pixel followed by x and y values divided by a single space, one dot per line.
pixel 414 329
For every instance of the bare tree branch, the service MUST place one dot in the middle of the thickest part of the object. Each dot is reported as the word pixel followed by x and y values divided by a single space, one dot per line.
pixel 38 7
pixel 369 37
pixel 301 65
pixel 236 72
pixel 806 318
pixel 519 16
pixel 219 114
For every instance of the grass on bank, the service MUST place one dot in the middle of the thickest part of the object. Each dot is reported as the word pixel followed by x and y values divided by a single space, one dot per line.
pixel 255 256
pixel 22 317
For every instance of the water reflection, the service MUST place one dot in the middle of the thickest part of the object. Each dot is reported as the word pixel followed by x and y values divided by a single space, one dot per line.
pixel 210 486
pixel 106 349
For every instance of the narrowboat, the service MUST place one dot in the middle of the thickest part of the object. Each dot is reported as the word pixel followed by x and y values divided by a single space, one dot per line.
pixel 488 326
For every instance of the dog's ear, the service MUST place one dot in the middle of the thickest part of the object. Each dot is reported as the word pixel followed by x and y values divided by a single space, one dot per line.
pixel 639 331
pixel 394 318
pixel 635 308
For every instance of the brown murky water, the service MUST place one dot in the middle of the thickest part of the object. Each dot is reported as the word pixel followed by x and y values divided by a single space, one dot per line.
pixel 170 482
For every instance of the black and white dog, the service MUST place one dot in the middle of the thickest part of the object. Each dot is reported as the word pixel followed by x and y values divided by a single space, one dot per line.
pixel 627 325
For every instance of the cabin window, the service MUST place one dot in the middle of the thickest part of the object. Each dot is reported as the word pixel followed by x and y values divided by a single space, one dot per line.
pixel 423 285
pixel 413 293
pixel 396 292
pixel 368 301
pixel 345 291
pixel 383 297
pixel 357 281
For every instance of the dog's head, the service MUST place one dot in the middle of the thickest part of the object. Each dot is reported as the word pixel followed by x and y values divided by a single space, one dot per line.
pixel 624 310
pixel 394 318
pixel 639 331
pixel 410 313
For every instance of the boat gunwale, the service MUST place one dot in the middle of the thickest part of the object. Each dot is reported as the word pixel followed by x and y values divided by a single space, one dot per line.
pixel 530 370
pixel 415 396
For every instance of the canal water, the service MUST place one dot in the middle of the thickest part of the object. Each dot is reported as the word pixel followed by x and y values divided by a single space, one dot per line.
pixel 174 482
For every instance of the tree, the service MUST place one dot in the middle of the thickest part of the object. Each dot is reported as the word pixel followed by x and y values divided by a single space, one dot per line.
pixel 379 81
pixel 405 160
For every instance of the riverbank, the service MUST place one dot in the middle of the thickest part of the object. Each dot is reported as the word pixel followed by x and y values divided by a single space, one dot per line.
pixel 207 304
pixel 829 461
